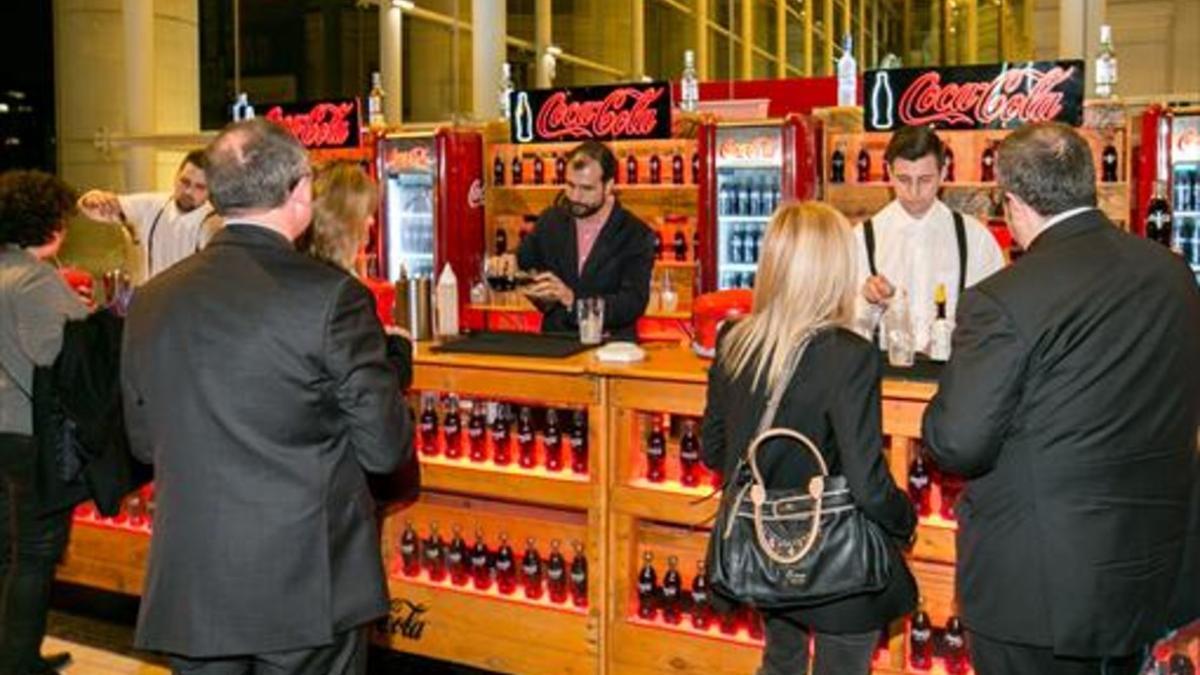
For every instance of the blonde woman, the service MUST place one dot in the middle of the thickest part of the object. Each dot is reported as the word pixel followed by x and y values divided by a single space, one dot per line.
pixel 344 202
pixel 806 285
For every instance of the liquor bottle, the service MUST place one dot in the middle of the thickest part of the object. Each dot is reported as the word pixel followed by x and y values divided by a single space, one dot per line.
pixel 864 166
pixel 655 170
pixel 1108 163
pixel 556 574
pixel 837 165
pixel 647 587
pixel 631 169
pixel 539 170
pixel 518 169
pixel 481 563
pixel 689 455
pixel 501 241
pixel 941 329
pixel 452 428
pixel 552 441
pixel 658 244
pixel 526 448
pixel 956 648
pixel 677 169
pixel 656 451
pixel 1106 64
pixel 506 574
pixel 531 571
pixel 672 592
pixel 501 436
pixel 919 485
pixel 456 559
pixel 579 442
pixel 847 74
pixel 579 576
pixel 695 168
pixel 476 432
pixel 498 171
pixel 434 554
pixel 680 245
pixel 689 84
pixel 375 117
pixel 920 642
pixel 410 553
pixel 949 164
pixel 701 606
pixel 987 163
pixel 1158 216
pixel 429 425
pixel 506 89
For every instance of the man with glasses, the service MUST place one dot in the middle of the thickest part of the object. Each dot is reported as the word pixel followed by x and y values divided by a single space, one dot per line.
pixel 1071 404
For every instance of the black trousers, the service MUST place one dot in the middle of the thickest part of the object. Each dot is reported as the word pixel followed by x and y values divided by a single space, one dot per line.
pixel 786 652
pixel 347 655
pixel 30 546
pixel 994 657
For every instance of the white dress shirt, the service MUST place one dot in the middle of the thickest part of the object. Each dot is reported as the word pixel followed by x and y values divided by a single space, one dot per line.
pixel 917 254
pixel 165 235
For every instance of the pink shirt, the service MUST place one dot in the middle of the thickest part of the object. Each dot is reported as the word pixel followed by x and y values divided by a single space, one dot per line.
pixel 586 234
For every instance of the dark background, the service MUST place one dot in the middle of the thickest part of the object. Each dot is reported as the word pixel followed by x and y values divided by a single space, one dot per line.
pixel 27 85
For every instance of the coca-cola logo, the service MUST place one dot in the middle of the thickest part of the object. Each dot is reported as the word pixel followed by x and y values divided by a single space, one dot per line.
pixel 475 201
pixel 603 113
pixel 1188 141
pixel 759 148
pixel 404 619
pixel 323 125
pixel 415 158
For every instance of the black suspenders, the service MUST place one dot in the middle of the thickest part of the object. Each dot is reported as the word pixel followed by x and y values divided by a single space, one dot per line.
pixel 960 235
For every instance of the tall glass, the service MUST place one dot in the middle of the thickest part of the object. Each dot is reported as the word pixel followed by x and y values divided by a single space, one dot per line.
pixel 897 325
pixel 590 315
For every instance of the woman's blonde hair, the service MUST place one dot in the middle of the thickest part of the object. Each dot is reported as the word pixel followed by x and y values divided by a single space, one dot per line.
pixel 344 196
pixel 806 277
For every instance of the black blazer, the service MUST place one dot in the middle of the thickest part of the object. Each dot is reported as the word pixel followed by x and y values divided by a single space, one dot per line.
pixel 833 398
pixel 618 269
pixel 1071 404
pixel 256 381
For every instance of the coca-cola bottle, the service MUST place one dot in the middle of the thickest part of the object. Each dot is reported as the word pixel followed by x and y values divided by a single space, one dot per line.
pixel 672 592
pixel 481 563
pixel 501 437
pixel 501 241
pixel 987 164
pixel 647 587
pixel 864 166
pixel 919 485
pixel 579 576
pixel 560 169
pixel 456 559
pixel 506 573
pixel 949 165
pixel 677 169
pixel 518 170
pixel 656 451
pixel 552 441
pixel 531 571
pixel 498 171
pixel 539 170
pixel 579 442
pixel 429 425
pixel 753 621
pixel 655 170
pixel 477 432
pixel 689 455
pixel 631 169
pixel 951 487
pixel 957 662
pixel 701 605
pixel 556 574
pixel 695 168
pixel 680 245
pixel 728 620
pixel 526 447
pixel 452 428
pixel 837 165
pixel 434 554
pixel 658 244
pixel 1158 216
pixel 1108 164
pixel 920 642
pixel 410 551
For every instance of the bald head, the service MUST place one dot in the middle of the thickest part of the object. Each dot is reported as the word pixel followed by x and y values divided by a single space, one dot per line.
pixel 253 166
pixel 1049 167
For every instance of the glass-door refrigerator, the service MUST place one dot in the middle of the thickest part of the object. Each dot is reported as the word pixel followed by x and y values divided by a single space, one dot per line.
pixel 748 169
pixel 1185 185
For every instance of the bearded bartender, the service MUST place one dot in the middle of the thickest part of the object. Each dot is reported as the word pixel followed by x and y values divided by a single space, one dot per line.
pixel 586 246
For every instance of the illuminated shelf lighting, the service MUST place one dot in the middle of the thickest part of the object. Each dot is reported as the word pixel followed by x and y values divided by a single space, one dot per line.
pixel 422 579
pixel 713 632
pixel 938 668
pixel 936 520
pixel 540 471
pixel 672 486
pixel 119 523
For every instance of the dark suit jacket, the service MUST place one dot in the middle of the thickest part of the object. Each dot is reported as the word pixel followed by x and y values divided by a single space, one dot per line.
pixel 256 381
pixel 618 269
pixel 833 398
pixel 1071 403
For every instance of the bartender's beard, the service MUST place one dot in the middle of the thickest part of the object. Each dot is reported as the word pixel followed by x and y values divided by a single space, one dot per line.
pixel 580 210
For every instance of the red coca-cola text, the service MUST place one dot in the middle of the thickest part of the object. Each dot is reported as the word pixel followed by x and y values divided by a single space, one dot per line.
pixel 627 111
pixel 326 125
pixel 1024 95
pixel 413 158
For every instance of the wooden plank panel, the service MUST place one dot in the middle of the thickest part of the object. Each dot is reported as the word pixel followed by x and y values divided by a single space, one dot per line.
pixel 668 397
pixel 105 558
pixel 478 380
pixel 935 584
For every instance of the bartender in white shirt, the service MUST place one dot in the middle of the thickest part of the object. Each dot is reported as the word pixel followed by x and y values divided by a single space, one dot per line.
pixel 167 227
pixel 917 242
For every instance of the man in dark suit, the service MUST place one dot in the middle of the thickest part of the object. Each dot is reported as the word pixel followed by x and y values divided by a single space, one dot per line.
pixel 1071 404
pixel 256 382
pixel 588 246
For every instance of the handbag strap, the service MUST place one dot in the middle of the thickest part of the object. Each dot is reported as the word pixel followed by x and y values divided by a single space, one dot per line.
pixel 758 496
pixel 789 369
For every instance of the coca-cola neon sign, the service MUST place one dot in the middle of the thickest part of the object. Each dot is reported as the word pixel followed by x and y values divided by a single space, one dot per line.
pixel 625 111
pixel 320 126
pixel 975 97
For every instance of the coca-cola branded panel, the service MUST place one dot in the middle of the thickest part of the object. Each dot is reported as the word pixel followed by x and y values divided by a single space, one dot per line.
pixel 999 96
pixel 616 112
pixel 320 125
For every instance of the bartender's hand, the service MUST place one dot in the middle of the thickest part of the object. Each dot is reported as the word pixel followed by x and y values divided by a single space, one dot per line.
pixel 504 265
pixel 546 286
pixel 102 206
pixel 878 290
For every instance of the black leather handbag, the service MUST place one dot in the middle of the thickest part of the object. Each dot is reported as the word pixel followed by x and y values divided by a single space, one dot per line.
pixel 797 546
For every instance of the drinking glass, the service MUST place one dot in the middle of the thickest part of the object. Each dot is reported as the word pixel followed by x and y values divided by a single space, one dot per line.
pixel 590 314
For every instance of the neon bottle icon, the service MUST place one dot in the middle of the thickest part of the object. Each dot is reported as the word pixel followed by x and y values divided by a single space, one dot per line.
pixel 881 102
pixel 523 118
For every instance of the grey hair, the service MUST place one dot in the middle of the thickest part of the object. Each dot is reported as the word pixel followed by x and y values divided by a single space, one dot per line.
pixel 1049 166
pixel 253 165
